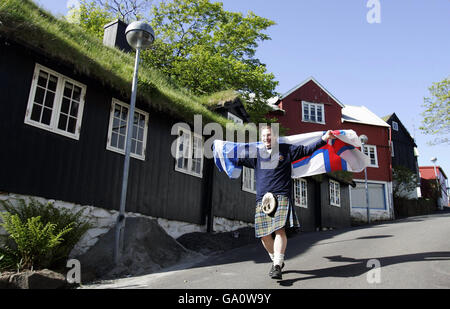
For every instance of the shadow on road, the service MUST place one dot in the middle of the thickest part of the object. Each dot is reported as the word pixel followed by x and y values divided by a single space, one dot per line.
pixel 359 266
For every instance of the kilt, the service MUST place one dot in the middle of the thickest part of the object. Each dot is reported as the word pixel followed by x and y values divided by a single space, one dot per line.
pixel 283 217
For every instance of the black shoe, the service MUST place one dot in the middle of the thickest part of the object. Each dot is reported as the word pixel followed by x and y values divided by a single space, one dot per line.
pixel 273 267
pixel 276 272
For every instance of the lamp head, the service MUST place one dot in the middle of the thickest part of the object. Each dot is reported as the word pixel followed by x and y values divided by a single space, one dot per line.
pixel 363 138
pixel 433 159
pixel 140 35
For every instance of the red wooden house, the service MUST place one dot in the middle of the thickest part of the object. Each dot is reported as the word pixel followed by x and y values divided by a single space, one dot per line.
pixel 429 176
pixel 311 107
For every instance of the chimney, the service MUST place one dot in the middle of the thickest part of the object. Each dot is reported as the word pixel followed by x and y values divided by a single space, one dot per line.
pixel 114 36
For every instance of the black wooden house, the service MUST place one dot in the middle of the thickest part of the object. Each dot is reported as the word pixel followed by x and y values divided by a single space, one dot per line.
pixel 63 117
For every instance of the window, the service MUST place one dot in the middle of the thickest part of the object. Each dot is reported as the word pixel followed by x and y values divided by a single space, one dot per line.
pixel 371 151
pixel 249 180
pixel 55 103
pixel 234 118
pixel 392 149
pixel 335 193
pixel 118 129
pixel 301 192
pixel 189 157
pixel 395 125
pixel 313 112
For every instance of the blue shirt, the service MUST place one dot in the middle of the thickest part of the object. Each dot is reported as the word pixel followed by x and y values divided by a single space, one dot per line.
pixel 276 177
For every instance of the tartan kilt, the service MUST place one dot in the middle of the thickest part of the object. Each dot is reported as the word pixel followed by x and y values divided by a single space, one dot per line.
pixel 283 217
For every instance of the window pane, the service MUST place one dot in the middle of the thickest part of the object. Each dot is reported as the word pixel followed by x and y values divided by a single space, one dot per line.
pixel 123 128
pixel 134 135
pixel 72 125
pixel 114 139
pixel 42 79
pixel 313 113
pixel 68 87
pixel 124 113
pixel 121 142
pixel 62 124
pixel 139 148
pixel 49 98
pixel 319 114
pixel 76 94
pixel 39 96
pixel 133 146
pixel 65 106
pixel 53 81
pixel 46 116
pixel 141 134
pixel 74 109
pixel 36 113
pixel 306 112
pixel 142 121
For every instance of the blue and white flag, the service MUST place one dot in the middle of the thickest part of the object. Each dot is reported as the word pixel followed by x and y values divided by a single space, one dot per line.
pixel 341 154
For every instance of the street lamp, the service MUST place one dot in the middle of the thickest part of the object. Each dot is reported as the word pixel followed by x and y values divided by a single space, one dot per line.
pixel 363 138
pixel 438 187
pixel 139 36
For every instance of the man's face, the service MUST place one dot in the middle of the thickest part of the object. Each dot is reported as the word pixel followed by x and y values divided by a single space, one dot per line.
pixel 266 137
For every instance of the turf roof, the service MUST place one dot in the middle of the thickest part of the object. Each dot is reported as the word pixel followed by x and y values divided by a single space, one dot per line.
pixel 24 22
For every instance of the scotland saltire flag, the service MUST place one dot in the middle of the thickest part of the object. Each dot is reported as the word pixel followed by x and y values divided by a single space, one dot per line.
pixel 341 154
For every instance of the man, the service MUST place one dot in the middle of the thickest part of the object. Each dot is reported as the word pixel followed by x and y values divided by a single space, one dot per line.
pixel 273 174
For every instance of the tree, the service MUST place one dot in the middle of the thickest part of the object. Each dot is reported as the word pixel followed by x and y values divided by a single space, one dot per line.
pixel 404 181
pixel 90 17
pixel 207 49
pixel 126 10
pixel 436 119
pixel 198 45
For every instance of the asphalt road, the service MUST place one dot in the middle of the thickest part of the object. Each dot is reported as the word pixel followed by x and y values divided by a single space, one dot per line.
pixel 409 253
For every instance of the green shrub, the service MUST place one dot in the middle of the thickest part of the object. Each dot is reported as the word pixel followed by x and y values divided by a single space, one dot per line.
pixel 34 240
pixel 60 219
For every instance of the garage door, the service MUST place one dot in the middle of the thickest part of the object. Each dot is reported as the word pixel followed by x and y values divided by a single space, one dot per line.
pixel 377 196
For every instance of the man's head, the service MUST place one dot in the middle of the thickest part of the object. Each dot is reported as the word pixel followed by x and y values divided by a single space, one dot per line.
pixel 266 136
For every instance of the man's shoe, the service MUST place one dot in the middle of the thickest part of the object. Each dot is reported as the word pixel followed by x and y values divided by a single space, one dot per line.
pixel 272 268
pixel 276 273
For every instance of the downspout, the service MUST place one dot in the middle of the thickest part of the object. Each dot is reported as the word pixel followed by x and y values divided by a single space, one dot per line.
pixel 391 197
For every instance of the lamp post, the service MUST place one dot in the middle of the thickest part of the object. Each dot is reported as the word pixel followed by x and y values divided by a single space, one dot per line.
pixel 363 138
pixel 139 36
pixel 438 187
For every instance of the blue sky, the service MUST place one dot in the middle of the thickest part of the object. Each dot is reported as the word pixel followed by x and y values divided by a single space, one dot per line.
pixel 386 66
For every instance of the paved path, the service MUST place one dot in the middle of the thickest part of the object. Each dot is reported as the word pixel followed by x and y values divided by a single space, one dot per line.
pixel 412 253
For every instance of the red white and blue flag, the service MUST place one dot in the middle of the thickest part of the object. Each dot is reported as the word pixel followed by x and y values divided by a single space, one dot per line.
pixel 340 154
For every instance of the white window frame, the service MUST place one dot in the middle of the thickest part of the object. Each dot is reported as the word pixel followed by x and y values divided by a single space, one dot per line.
pixel 316 106
pixel 115 102
pixel 188 152
pixel 57 102
pixel 335 193
pixel 303 199
pixel 369 149
pixel 395 125
pixel 248 172
pixel 234 118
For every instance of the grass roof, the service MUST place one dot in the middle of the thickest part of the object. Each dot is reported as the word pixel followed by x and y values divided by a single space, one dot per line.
pixel 24 22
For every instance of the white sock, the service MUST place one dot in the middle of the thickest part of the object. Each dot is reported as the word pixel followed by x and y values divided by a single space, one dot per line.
pixel 278 259
pixel 271 256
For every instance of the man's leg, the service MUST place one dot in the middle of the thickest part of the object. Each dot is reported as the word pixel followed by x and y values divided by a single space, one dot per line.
pixel 268 243
pixel 279 246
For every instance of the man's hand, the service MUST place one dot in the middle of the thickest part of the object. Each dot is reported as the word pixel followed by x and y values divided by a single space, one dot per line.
pixel 329 135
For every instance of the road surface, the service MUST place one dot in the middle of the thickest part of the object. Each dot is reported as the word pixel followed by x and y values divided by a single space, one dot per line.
pixel 408 253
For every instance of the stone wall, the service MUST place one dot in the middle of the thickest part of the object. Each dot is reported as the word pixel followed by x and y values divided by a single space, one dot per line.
pixel 104 220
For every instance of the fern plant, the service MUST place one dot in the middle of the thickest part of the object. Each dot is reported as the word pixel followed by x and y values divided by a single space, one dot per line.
pixel 60 219
pixel 33 239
